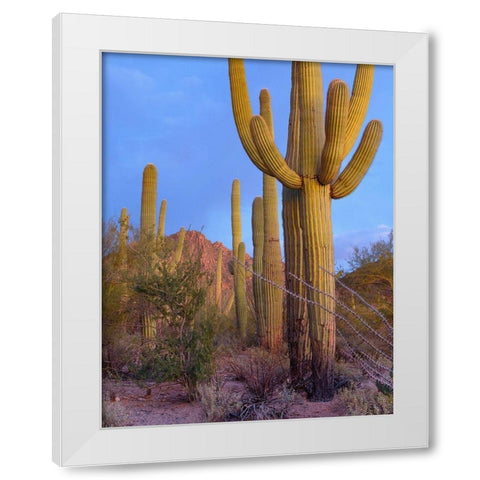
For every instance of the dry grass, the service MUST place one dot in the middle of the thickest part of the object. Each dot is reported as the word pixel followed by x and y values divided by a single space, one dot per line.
pixel 114 415
pixel 218 404
pixel 265 376
pixel 366 400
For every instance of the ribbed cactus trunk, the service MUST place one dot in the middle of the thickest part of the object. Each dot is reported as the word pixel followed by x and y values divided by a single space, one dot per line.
pixel 238 270
pixel 229 304
pixel 147 231
pixel 123 264
pixel 148 215
pixel 218 281
pixel 123 239
pixel 272 255
pixel 258 285
pixel 161 224
pixel 318 144
pixel 241 292
pixel 317 236
pixel 296 309
pixel 177 256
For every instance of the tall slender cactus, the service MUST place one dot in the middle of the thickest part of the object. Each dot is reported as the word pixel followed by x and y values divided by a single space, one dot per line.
pixel 148 222
pixel 238 272
pixel 258 290
pixel 161 223
pixel 124 222
pixel 123 239
pixel 317 145
pixel 272 255
pixel 177 256
pixel 241 292
pixel 218 281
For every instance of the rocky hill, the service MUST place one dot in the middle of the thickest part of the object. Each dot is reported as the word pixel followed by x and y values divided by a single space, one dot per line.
pixel 197 244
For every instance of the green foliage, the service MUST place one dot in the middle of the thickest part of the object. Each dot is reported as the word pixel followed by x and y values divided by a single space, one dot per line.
pixel 183 349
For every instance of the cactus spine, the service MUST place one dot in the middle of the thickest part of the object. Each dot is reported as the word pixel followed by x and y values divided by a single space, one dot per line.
pixel 318 143
pixel 147 230
pixel 238 277
pixel 258 291
pixel 218 281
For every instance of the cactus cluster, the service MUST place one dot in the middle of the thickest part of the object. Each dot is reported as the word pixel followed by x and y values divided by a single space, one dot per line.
pixel 318 142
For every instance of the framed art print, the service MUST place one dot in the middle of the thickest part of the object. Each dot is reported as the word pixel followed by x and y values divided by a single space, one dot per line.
pixel 240 240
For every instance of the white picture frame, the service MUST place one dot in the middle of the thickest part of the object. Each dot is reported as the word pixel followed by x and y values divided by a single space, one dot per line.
pixel 78 438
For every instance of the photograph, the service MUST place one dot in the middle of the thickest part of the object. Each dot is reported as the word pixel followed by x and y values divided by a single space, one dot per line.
pixel 247 239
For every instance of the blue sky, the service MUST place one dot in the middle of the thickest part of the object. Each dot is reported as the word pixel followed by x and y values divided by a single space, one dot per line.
pixel 175 112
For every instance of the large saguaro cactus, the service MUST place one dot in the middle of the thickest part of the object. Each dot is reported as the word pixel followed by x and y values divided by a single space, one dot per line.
pixel 317 145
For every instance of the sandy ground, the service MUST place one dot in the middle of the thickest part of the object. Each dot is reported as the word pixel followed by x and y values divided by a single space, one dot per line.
pixel 167 403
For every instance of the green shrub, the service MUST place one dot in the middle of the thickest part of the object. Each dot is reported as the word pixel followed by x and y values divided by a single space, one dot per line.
pixel 183 349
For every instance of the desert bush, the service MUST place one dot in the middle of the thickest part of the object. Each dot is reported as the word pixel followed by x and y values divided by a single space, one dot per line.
pixel 184 351
pixel 347 375
pixel 119 352
pixel 275 406
pixel 219 404
pixel 265 376
pixel 114 415
pixel 366 401
pixel 263 372
pixel 186 356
